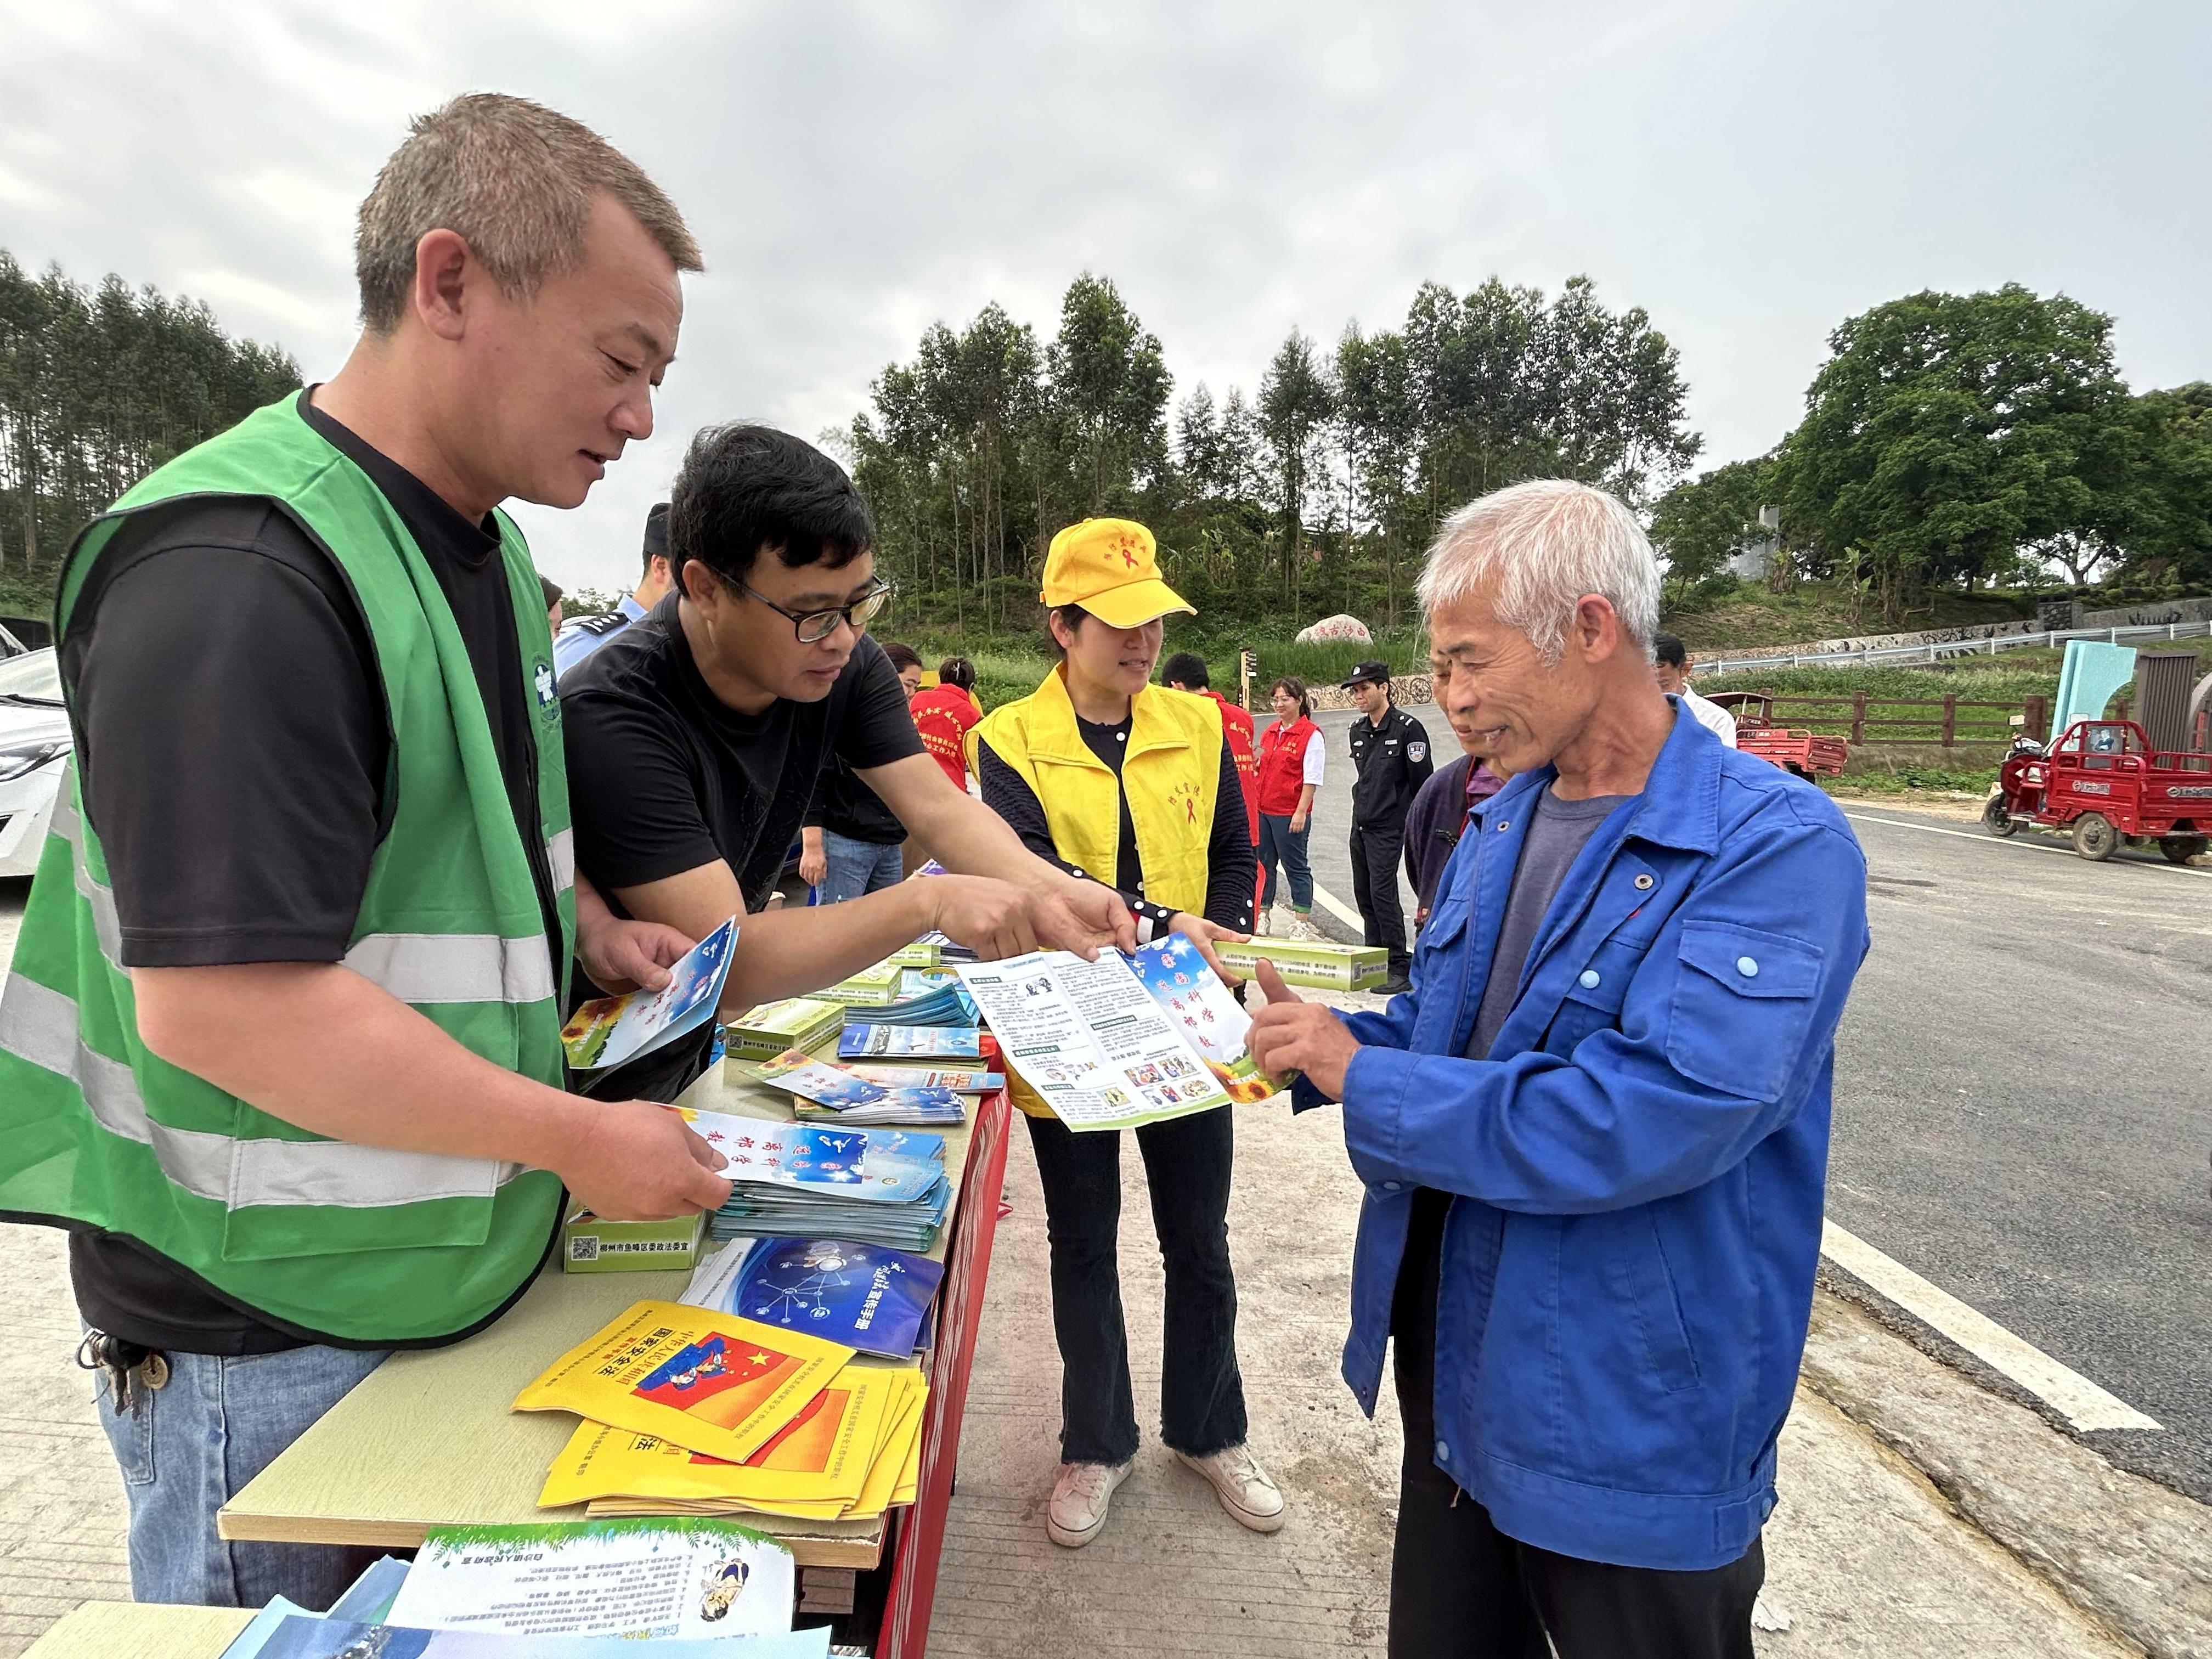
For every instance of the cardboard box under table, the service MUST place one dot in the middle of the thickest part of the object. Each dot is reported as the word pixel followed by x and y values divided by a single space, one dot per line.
pixel 427 1440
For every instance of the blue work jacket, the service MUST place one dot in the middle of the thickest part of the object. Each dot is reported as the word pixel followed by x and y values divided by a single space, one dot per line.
pixel 1636 1174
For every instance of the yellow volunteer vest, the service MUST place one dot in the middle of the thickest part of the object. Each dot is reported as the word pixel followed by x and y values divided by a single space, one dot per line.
pixel 1170 776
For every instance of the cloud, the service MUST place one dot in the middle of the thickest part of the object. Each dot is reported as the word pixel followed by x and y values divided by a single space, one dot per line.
pixel 1749 174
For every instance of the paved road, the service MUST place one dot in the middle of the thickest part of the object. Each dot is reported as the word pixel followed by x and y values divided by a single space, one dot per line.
pixel 2022 1097
pixel 2020 1111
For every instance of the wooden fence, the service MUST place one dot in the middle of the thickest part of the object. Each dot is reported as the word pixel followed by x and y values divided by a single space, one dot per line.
pixel 1949 722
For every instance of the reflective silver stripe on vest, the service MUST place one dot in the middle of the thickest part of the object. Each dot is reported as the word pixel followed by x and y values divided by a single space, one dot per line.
pixel 65 824
pixel 39 1024
pixel 425 967
pixel 420 968
pixel 560 855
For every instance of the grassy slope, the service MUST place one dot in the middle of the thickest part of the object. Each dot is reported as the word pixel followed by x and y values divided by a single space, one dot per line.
pixel 26 597
pixel 1753 616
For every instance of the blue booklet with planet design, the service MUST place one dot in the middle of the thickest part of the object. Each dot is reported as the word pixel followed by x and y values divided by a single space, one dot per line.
pixel 868 1297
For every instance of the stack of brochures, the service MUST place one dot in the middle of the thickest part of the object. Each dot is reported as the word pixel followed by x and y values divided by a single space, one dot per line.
pixel 866 1040
pixel 874 1186
pixel 926 996
pixel 854 1451
pixel 840 1091
pixel 587 1589
pixel 694 1411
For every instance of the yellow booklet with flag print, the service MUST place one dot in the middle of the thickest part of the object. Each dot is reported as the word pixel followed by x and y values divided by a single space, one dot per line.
pixel 830 1463
pixel 820 1456
pixel 900 1448
pixel 708 1381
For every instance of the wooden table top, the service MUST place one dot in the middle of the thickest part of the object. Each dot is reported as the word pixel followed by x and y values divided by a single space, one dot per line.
pixel 104 1629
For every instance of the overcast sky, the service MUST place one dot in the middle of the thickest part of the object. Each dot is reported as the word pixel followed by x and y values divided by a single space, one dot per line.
pixel 1750 173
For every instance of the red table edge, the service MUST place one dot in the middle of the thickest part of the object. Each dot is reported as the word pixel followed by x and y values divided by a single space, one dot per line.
pixel 905 1631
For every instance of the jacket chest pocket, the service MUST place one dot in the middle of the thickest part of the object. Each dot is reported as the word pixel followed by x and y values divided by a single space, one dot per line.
pixel 1743 1002
pixel 1591 1002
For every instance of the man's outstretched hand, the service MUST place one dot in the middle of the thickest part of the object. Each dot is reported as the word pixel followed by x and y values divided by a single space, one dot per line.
pixel 1292 1034
pixel 1081 916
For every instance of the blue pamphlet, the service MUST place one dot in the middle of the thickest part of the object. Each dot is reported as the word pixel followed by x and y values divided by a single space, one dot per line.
pixel 868 1297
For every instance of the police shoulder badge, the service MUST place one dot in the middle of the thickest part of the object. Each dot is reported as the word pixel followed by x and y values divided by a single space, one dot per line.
pixel 1417 751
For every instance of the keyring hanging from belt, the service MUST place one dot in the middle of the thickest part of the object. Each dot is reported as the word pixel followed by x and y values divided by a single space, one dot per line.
pixel 121 1362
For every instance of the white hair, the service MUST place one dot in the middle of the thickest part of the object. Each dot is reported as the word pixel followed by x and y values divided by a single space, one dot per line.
pixel 1545 543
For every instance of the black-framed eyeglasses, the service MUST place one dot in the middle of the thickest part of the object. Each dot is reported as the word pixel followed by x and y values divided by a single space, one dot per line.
pixel 814 626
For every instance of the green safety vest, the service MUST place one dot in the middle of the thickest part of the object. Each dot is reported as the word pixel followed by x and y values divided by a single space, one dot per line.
pixel 350 1244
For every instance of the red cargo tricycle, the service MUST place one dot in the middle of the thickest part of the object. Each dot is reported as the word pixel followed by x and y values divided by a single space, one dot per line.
pixel 2104 785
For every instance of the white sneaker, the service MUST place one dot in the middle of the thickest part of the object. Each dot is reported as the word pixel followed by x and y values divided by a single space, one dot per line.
pixel 1302 928
pixel 1260 926
pixel 1242 1485
pixel 1081 1495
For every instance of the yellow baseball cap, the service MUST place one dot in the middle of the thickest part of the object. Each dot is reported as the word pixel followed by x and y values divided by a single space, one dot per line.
pixel 1111 567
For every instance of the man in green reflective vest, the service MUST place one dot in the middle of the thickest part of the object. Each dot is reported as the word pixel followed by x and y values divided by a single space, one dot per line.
pixel 281 1045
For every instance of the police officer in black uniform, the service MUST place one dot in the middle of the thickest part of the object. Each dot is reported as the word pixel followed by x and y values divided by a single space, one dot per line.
pixel 1390 748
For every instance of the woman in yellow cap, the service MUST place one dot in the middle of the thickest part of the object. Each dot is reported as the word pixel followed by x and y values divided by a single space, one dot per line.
pixel 1133 785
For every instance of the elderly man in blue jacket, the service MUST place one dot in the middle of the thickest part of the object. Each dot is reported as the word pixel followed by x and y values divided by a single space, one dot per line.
pixel 1594 1136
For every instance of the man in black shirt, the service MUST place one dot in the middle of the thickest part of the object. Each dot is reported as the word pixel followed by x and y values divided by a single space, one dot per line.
pixel 1390 748
pixel 852 844
pixel 238 761
pixel 695 740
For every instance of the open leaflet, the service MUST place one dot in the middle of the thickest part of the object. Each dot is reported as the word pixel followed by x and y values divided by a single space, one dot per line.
pixel 1122 1041
pixel 609 1031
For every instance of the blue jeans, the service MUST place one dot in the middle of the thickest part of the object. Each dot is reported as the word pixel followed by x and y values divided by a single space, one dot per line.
pixel 857 867
pixel 187 1448
pixel 1278 840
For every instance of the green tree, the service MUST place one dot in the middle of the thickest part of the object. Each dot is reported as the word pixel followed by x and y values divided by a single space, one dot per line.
pixel 1946 431
pixel 1381 436
pixel 99 386
pixel 1109 386
pixel 1297 403
pixel 1329 480
pixel 2155 507
pixel 1701 524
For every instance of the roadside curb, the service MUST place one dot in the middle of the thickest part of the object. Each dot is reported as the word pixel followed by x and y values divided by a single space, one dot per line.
pixel 2122 1548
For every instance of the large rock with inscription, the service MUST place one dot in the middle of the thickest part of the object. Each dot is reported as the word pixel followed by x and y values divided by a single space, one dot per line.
pixel 1338 627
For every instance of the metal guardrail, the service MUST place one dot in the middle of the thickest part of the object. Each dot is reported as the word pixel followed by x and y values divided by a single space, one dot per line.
pixel 1905 656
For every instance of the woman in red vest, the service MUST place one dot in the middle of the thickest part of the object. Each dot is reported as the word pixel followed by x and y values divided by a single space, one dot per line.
pixel 1291 757
pixel 944 713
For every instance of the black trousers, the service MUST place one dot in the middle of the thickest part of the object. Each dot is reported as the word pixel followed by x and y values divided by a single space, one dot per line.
pixel 1187 1164
pixel 1377 851
pixel 1460 1588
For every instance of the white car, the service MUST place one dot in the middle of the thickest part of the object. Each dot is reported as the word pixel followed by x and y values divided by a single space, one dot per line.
pixel 34 748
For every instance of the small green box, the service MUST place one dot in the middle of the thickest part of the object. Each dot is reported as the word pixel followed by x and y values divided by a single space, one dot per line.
pixel 763 1033
pixel 589 1245
pixel 922 953
pixel 871 987
pixel 1327 966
